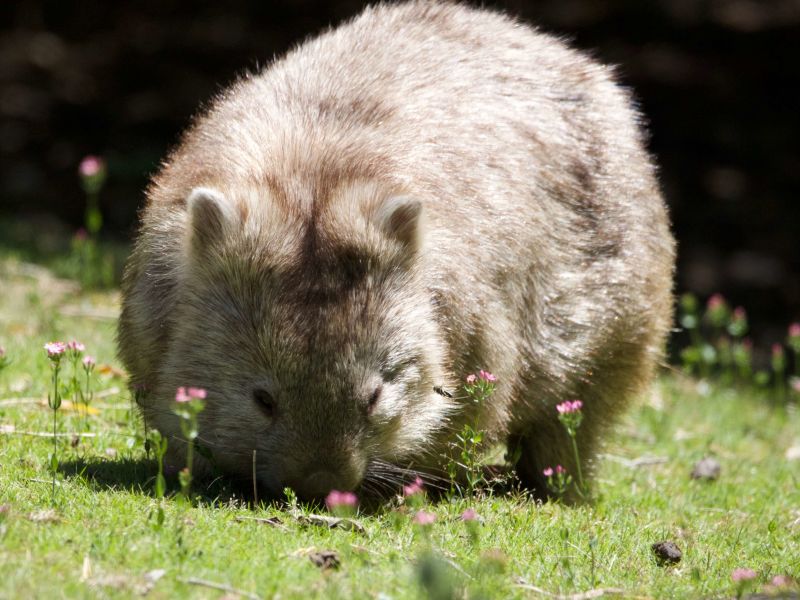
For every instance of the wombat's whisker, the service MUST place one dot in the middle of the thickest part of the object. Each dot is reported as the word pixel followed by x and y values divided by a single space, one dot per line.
pixel 379 487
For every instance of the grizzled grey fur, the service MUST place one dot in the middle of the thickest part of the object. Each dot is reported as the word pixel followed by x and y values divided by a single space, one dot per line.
pixel 424 191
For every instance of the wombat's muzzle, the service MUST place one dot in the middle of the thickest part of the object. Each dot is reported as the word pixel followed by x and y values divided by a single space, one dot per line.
pixel 319 483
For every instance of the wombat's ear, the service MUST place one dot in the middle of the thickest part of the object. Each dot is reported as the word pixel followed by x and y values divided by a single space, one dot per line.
pixel 209 217
pixel 400 217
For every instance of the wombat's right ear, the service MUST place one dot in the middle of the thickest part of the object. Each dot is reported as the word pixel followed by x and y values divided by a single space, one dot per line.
pixel 399 217
pixel 209 216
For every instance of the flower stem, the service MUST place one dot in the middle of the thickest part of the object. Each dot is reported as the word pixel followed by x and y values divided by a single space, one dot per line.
pixel 189 464
pixel 85 401
pixel 578 472
pixel 54 460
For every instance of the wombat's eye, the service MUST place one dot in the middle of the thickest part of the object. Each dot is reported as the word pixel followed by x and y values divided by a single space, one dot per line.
pixel 265 403
pixel 373 399
pixel 407 368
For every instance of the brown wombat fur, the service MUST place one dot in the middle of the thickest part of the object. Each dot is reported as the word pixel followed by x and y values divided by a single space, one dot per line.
pixel 424 191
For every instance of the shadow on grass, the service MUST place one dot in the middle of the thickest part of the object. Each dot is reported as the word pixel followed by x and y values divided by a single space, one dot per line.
pixel 137 476
pixel 129 474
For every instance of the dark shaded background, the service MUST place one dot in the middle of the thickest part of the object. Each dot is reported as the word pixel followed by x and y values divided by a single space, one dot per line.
pixel 717 80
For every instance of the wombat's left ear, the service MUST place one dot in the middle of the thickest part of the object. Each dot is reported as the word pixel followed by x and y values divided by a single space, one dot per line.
pixel 400 217
pixel 210 216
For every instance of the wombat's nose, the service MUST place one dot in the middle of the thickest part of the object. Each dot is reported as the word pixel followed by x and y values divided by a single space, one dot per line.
pixel 320 483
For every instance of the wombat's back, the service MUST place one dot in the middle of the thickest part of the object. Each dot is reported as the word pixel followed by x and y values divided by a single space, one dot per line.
pixel 545 243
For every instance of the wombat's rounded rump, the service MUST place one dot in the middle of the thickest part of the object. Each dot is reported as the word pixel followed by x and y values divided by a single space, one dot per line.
pixel 422 192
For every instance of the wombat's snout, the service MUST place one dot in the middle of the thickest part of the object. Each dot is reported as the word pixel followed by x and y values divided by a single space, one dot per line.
pixel 320 482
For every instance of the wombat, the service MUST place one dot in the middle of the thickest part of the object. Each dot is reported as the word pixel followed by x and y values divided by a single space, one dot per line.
pixel 425 191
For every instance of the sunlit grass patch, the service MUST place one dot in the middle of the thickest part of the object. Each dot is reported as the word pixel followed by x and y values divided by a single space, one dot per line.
pixel 101 534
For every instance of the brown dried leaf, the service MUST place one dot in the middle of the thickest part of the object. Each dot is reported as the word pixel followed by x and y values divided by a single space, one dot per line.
pixel 667 553
pixel 271 521
pixel 330 522
pixel 44 516
pixel 707 469
pixel 587 595
pixel 325 559
pixel 106 369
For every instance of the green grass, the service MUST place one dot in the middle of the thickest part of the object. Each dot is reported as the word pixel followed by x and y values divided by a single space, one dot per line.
pixel 48 242
pixel 103 540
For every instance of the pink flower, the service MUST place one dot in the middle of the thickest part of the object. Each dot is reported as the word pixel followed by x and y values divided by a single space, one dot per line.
pixel 413 488
pixel 424 518
pixel 743 574
pixel 782 581
pixel 2 352
pixel 486 376
pixel 338 499
pixel 91 166
pixel 88 361
pixel 188 394
pixel 794 330
pixel 716 301
pixel 739 313
pixel 560 470
pixel 471 378
pixel 55 349
pixel 777 350
pixel 469 515
pixel 548 472
pixel 81 235
pixel 75 346
pixel 567 407
pixel 795 383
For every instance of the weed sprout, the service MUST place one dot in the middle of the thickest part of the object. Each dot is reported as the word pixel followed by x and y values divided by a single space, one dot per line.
pixel 190 404
pixel 478 387
pixel 55 352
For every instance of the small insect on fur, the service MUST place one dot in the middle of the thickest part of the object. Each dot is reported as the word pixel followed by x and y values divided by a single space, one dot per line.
pixel 442 392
